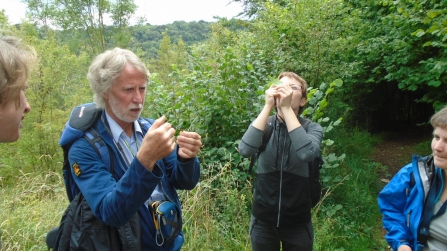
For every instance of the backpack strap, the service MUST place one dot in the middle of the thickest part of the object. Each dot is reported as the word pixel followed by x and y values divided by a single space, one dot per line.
pixel 265 138
pixel 81 124
pixel 103 150
pixel 317 163
pixel 100 148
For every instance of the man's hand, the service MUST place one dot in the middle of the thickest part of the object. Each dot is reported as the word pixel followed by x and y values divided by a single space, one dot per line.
pixel 270 95
pixel 284 96
pixel 189 144
pixel 158 143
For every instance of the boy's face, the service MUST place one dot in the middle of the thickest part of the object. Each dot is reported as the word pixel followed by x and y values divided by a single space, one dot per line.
pixel 11 118
pixel 439 147
pixel 297 98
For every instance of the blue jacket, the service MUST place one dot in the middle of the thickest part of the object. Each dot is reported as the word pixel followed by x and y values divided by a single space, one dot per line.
pixel 115 199
pixel 402 203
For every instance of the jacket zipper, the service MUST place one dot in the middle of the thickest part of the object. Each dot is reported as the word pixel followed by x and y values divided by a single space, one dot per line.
pixel 280 179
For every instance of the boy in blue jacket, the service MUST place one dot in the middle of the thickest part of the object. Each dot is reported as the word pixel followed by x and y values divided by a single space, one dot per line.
pixel 416 194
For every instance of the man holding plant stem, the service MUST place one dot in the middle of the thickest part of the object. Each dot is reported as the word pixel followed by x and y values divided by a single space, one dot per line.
pixel 281 212
pixel 149 162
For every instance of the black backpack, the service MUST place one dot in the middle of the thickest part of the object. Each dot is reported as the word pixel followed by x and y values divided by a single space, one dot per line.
pixel 316 183
pixel 79 229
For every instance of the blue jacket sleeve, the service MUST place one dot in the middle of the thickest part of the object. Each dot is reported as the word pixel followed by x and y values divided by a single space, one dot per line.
pixel 393 201
pixel 182 175
pixel 111 201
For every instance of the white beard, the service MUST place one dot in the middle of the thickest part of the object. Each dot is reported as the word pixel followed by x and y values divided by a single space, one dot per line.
pixel 121 113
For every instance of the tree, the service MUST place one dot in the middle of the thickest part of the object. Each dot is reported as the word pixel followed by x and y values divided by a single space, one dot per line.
pixel 402 61
pixel 3 18
pixel 87 18
pixel 254 7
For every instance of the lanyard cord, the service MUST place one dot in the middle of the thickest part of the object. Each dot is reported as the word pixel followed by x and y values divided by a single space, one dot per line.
pixel 118 144
pixel 130 148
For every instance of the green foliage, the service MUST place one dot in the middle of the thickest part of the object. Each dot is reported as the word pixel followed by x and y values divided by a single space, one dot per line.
pixel 306 37
pixel 149 37
pixel 349 209
pixel 255 7
pixel 316 105
pixel 215 95
pixel 56 85
pixel 216 214
pixel 400 47
pixel 85 18
pixel 3 18
pixel 169 57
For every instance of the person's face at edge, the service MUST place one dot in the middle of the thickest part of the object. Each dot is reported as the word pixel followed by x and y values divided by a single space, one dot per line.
pixel 11 117
pixel 439 147
pixel 125 99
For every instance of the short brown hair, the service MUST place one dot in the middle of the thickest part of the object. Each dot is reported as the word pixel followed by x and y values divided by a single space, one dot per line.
pixel 303 82
pixel 16 59
pixel 439 119
pixel 298 78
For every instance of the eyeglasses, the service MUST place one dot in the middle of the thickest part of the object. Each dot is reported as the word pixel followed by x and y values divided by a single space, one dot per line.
pixel 296 87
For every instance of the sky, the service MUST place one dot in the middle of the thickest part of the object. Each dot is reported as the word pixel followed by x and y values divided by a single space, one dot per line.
pixel 156 12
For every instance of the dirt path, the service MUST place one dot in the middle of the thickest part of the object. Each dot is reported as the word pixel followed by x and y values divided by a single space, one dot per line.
pixel 396 150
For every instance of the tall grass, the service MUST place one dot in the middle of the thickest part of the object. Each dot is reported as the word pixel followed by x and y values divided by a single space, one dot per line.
pixel 30 209
pixel 217 212
pixel 349 218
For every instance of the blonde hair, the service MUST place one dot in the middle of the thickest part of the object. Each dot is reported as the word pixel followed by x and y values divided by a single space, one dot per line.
pixel 107 67
pixel 16 60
